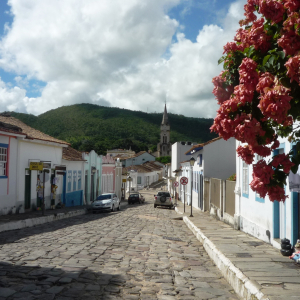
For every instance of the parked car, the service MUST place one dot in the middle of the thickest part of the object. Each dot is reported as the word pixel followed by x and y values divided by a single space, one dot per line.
pixel 108 202
pixel 136 198
pixel 163 199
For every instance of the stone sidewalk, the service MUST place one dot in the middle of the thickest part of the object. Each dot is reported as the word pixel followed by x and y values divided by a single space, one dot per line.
pixel 33 218
pixel 255 269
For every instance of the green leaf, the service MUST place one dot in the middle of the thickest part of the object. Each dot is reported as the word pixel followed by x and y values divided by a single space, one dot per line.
pixel 266 58
pixel 221 60
pixel 271 60
pixel 294 169
pixel 281 54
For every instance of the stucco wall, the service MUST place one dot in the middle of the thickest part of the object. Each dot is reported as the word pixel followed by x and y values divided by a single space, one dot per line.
pixel 8 186
pixel 255 215
pixel 139 159
pixel 219 159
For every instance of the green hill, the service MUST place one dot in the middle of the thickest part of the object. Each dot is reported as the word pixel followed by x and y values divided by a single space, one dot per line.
pixel 88 126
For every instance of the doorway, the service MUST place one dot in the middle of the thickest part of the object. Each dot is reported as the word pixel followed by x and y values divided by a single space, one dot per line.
pixel 200 191
pixel 27 189
pixel 295 218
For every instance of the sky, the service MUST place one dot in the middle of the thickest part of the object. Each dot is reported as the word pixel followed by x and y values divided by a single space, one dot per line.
pixel 130 54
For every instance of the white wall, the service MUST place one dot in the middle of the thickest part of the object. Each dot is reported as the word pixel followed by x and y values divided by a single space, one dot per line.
pixel 178 154
pixel 139 159
pixel 38 152
pixel 255 217
pixel 219 159
pixel 8 186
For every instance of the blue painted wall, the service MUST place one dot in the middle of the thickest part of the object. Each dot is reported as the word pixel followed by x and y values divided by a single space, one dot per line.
pixel 74 198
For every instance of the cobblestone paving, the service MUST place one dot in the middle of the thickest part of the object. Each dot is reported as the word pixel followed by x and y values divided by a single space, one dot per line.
pixel 137 253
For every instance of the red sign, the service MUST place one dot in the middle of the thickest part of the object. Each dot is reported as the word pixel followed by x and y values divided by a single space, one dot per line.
pixel 183 180
pixel 176 183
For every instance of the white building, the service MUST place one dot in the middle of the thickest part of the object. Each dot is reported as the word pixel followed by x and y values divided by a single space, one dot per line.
pixel 143 175
pixel 27 163
pixel 260 217
pixel 138 159
pixel 73 181
pixel 92 175
pixel 213 159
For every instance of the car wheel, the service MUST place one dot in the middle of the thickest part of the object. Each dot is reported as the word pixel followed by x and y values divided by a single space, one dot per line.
pixel 170 207
pixel 118 207
pixel 140 202
pixel 112 208
pixel 155 205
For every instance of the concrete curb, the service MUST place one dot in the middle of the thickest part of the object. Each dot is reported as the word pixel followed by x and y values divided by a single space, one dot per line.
pixel 40 220
pixel 242 285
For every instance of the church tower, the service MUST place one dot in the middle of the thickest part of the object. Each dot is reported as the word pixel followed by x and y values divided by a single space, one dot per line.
pixel 164 146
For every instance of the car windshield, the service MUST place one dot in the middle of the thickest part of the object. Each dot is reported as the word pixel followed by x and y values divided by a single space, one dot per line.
pixel 134 195
pixel 163 194
pixel 104 197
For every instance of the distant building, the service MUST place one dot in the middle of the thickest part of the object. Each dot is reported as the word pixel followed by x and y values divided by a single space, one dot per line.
pixel 164 146
pixel 120 153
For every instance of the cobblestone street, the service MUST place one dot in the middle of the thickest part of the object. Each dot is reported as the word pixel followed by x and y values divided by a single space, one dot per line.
pixel 137 253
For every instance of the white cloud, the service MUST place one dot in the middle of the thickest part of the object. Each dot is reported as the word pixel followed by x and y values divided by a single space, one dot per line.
pixel 12 99
pixel 112 52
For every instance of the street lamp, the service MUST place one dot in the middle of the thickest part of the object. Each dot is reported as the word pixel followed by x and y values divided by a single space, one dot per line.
pixel 129 179
pixel 192 162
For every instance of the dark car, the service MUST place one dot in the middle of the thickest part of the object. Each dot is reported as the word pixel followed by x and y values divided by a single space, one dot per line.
pixel 136 198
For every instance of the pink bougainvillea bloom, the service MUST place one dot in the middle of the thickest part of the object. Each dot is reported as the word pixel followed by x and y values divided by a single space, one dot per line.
pixel 289 42
pixel 292 5
pixel 248 73
pixel 249 12
pixel 293 67
pixel 230 47
pixel 221 91
pixel 258 37
pixel 266 80
pixel 272 10
pixel 246 154
pixel 292 23
pixel 263 171
pixel 276 193
pixel 284 161
pixel 259 187
pixel 275 104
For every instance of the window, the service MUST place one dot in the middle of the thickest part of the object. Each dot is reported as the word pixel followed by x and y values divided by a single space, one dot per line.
pixel 79 180
pixel 69 180
pixel 3 161
pixel 74 180
pixel 245 188
pixel 139 180
pixel 199 160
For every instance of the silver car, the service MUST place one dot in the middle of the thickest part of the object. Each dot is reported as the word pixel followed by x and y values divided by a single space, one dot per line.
pixel 163 199
pixel 108 202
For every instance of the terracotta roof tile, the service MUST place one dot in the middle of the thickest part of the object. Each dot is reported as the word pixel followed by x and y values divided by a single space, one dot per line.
pixel 30 132
pixel 71 154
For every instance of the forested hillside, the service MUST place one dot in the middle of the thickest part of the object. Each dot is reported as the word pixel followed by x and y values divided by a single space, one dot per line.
pixel 88 126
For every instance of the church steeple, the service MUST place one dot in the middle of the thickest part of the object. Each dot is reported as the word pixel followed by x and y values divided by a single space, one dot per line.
pixel 165 120
pixel 164 146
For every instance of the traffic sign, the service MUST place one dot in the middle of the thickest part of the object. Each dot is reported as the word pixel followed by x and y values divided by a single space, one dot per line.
pixel 183 180
pixel 175 183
